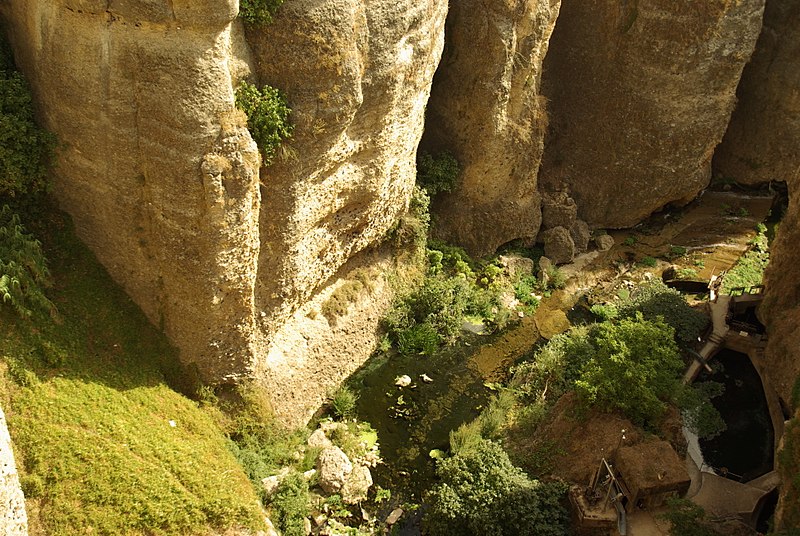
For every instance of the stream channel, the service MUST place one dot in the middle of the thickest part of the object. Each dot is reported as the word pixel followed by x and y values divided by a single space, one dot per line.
pixel 413 420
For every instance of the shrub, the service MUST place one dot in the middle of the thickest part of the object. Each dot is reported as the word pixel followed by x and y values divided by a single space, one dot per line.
pixel 649 262
pixel 481 492
pixel 23 269
pixel 422 320
pixel 344 403
pixel 654 299
pixel 291 505
pixel 524 291
pixel 267 117
pixel 26 151
pixel 437 173
pixel 634 368
pixel 258 11
pixel 555 278
pixel 604 311
pixel 338 303
pixel 630 241
pixel 699 415
pixel 686 518
pixel 411 228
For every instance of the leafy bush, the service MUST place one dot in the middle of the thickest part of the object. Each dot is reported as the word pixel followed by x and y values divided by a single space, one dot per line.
pixel 481 492
pixel 634 368
pixel 654 299
pixel 649 262
pixel 290 505
pixel 437 173
pixel 686 518
pixel 423 320
pixel 23 268
pixel 699 415
pixel 411 228
pixel 26 151
pixel 604 311
pixel 524 291
pixel 555 366
pixel 267 117
pixel 258 11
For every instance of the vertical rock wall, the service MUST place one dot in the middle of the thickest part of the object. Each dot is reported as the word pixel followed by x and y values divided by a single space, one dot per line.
pixel 358 76
pixel 155 166
pixel 486 109
pixel 13 516
pixel 164 182
pixel 640 94
pixel 762 143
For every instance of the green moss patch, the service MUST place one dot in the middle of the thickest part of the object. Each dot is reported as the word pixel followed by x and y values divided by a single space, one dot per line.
pixel 104 444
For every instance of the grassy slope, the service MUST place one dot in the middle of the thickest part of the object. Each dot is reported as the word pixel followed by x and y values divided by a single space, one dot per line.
pixel 91 420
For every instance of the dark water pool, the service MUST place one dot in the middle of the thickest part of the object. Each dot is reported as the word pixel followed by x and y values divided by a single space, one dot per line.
pixel 745 450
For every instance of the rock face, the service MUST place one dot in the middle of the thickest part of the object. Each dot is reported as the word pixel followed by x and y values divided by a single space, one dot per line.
pixel 640 94
pixel 156 169
pixel 761 143
pixel 486 109
pixel 164 182
pixel 13 517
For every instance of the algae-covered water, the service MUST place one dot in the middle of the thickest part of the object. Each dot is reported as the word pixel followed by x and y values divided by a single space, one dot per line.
pixel 413 420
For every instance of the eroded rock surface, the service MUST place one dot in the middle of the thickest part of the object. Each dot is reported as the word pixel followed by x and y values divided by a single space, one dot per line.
pixel 762 143
pixel 13 516
pixel 164 183
pixel 155 167
pixel 640 94
pixel 486 109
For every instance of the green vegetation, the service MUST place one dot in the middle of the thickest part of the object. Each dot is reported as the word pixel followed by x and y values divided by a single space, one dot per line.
pixel 686 273
pixel 699 415
pixel 102 440
pixel 258 11
pixel 267 117
pixel 343 403
pixel 26 151
pixel 630 241
pixel 789 468
pixel 654 299
pixel 749 271
pixel 650 262
pixel 437 173
pixel 411 230
pixel 481 492
pixel 290 505
pixel 524 291
pixel 23 268
pixel 634 368
pixel 686 519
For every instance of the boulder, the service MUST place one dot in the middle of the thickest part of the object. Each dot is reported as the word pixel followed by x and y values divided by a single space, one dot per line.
pixel 318 439
pixel 334 467
pixel 558 210
pixel 517 266
pixel 579 231
pixel 558 245
pixel 604 242
pixel 357 485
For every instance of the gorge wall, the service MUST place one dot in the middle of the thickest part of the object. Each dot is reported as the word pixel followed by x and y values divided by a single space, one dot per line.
pixel 164 182
pixel 640 95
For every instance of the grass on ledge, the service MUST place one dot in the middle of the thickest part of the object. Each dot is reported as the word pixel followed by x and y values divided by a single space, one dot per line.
pixel 91 416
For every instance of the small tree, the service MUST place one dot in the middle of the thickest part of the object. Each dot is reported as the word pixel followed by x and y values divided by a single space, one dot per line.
pixel 482 492
pixel 437 173
pixel 267 117
pixel 634 368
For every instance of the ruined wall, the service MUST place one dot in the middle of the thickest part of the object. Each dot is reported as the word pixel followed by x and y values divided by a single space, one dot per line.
pixel 163 180
pixel 486 109
pixel 762 143
pixel 640 94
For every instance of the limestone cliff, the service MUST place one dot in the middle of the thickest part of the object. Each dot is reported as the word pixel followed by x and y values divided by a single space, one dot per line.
pixel 155 168
pixel 486 109
pixel 762 143
pixel 640 94
pixel 164 182
pixel 13 516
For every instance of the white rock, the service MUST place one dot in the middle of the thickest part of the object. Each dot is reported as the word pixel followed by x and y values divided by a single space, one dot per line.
pixel 357 485
pixel 319 439
pixel 333 467
pixel 394 516
pixel 403 381
pixel 425 378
